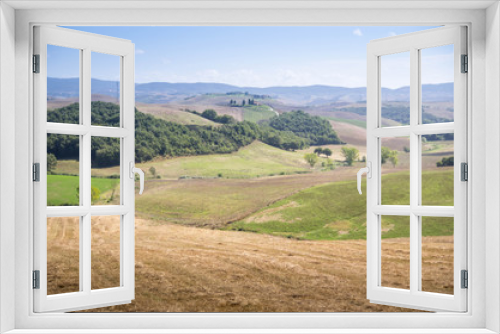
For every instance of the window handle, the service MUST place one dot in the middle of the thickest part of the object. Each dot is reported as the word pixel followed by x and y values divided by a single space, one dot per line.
pixel 368 171
pixel 139 171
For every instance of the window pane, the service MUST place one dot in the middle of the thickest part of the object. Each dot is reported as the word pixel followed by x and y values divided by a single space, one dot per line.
pixel 437 254
pixel 63 170
pixel 395 86
pixel 395 170
pixel 63 255
pixel 63 85
pixel 437 77
pixel 395 251
pixel 437 169
pixel 105 89
pixel 105 171
pixel 105 251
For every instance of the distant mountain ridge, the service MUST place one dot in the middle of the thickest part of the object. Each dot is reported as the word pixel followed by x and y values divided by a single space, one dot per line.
pixel 162 92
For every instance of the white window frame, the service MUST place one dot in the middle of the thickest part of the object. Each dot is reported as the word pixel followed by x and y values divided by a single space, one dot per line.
pixel 413 44
pixel 86 44
pixel 484 49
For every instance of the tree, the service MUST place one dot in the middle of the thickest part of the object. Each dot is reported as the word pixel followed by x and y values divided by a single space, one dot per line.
pixel 329 164
pixel 318 150
pixel 385 154
pixel 350 154
pixel 311 159
pixel 51 162
pixel 393 158
pixel 243 103
pixel 152 170
pixel 327 152
pixel 209 114
pixel 389 155
pixel 446 161
pixel 95 194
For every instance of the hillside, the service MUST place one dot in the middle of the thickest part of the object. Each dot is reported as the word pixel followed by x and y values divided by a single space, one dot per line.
pixel 174 114
pixel 317 130
pixel 157 137
pixel 254 160
pixel 336 211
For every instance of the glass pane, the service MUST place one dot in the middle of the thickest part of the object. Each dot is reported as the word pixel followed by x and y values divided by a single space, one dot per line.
pixel 63 255
pixel 437 169
pixel 63 169
pixel 395 253
pixel 105 89
pixel 105 251
pixel 395 169
pixel 395 85
pixel 437 77
pixel 437 254
pixel 63 85
pixel 105 182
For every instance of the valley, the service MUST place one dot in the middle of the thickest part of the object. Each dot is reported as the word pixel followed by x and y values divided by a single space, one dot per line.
pixel 234 219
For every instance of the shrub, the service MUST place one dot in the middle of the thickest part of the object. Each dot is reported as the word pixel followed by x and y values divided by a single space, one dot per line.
pixel 447 161
pixel 311 159
pixel 350 154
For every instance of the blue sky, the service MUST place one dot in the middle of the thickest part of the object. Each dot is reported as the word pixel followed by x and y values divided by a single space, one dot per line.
pixel 248 56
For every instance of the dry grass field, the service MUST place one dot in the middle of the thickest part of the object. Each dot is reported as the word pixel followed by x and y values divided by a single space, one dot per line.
pixel 187 269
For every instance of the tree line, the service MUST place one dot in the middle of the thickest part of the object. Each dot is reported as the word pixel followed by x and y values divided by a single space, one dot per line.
pixel 316 130
pixel 157 137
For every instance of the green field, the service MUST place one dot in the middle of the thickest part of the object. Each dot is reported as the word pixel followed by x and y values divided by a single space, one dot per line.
pixel 186 118
pixel 258 113
pixel 62 189
pixel 254 160
pixel 336 211
pixel 356 122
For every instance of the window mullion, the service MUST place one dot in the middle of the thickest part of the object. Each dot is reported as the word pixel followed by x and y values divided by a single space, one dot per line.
pixel 85 171
pixel 414 171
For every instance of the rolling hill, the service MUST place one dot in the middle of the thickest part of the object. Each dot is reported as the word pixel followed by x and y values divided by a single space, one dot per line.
pixel 163 92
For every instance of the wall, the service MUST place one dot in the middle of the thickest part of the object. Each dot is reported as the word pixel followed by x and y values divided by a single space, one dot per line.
pixel 7 160
pixel 243 17
pixel 492 166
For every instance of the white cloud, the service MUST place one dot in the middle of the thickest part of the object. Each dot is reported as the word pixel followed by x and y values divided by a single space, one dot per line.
pixel 392 33
pixel 139 52
pixel 357 32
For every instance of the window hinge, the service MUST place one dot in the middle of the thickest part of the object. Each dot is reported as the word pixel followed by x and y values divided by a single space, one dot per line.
pixel 36 172
pixel 465 64
pixel 464 171
pixel 36 63
pixel 36 279
pixel 465 279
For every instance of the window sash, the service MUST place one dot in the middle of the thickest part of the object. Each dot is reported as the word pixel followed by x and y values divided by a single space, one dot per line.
pixel 86 298
pixel 414 298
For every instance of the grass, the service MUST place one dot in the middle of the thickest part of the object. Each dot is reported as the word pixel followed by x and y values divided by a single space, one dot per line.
pixel 214 203
pixel 254 160
pixel 173 114
pixel 62 189
pixel 335 211
pixel 258 113
pixel 356 122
